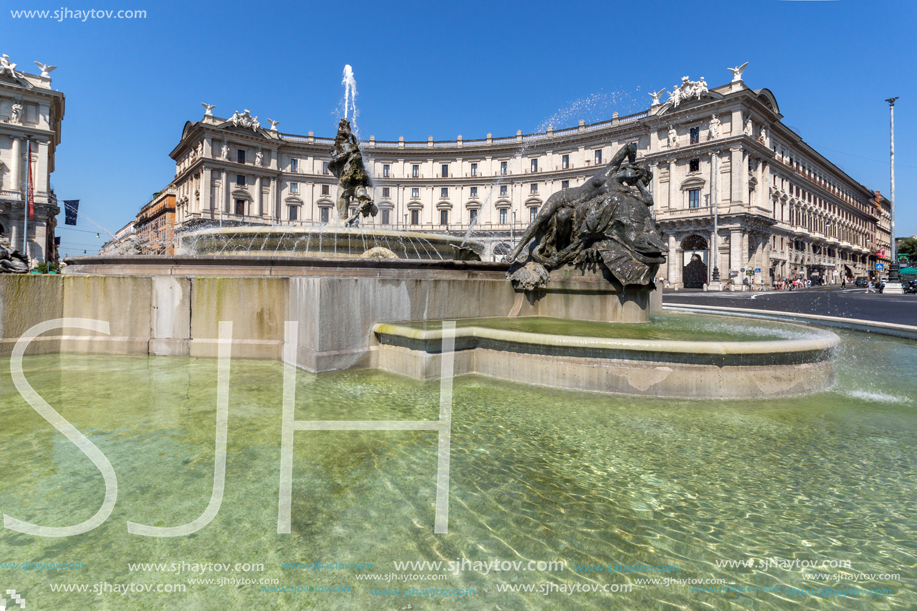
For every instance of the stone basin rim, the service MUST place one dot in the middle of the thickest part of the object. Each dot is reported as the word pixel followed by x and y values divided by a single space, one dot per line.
pixel 823 340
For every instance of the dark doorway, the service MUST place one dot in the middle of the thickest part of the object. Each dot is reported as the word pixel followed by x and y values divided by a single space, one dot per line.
pixel 694 272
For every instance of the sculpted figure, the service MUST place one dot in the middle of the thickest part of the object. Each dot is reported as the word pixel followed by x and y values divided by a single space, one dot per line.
pixel 16 113
pixel 673 137
pixel 606 221
pixel 11 260
pixel 259 157
pixel 353 179
pixel 224 151
pixel 714 128
pixel 749 127
pixel 8 67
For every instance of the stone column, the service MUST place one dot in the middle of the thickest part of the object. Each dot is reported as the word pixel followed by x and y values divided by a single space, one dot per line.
pixel 746 238
pixel 224 184
pixel 671 260
pixel 259 197
pixel 679 265
pixel 206 197
pixel 272 197
pixel 735 250
pixel 739 175
pixel 671 202
pixel 15 164
pixel 15 229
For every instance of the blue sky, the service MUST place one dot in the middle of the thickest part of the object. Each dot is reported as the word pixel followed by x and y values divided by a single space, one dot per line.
pixel 445 68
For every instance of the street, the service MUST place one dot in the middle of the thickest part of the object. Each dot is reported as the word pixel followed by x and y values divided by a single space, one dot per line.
pixel 846 303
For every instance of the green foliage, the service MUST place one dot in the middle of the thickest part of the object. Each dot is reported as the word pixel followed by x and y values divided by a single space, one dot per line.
pixel 908 246
pixel 44 268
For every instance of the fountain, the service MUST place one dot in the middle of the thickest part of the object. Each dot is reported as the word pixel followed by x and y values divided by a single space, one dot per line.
pixel 572 425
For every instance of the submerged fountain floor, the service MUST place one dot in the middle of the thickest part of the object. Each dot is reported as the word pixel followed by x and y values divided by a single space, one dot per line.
pixel 676 355
pixel 536 474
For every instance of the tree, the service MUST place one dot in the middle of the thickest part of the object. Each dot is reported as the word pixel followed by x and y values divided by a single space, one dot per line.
pixel 908 246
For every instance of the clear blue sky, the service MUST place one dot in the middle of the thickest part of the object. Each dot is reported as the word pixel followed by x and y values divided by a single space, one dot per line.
pixel 449 68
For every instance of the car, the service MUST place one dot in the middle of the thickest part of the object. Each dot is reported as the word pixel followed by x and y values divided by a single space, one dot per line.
pixel 883 279
pixel 862 281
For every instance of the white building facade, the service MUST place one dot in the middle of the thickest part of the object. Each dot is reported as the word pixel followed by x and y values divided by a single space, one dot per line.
pixel 30 114
pixel 782 209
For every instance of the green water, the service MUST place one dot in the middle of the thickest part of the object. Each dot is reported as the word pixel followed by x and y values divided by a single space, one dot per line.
pixel 536 475
pixel 665 326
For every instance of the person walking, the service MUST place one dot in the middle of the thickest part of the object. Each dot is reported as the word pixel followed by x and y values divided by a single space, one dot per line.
pixel 844 282
pixel 870 288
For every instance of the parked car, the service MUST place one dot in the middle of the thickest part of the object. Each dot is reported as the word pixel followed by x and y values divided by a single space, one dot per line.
pixel 862 281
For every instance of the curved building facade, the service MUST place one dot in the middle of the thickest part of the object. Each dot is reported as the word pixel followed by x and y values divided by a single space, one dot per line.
pixel 726 170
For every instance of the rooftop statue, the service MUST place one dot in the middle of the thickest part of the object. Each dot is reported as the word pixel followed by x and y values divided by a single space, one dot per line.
pixel 606 222
pixel 353 179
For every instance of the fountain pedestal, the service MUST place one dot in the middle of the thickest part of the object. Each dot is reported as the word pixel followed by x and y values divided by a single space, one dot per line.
pixel 581 293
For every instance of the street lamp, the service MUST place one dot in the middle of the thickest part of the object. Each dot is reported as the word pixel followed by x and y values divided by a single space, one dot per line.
pixel 894 280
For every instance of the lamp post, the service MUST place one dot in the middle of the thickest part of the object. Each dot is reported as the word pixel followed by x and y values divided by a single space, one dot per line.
pixel 716 223
pixel 894 280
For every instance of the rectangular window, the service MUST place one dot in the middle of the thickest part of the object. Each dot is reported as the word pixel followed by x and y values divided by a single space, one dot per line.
pixel 694 198
pixel 294 165
pixel 415 192
pixel 598 157
pixel 503 214
pixel 415 171
pixel 325 214
pixel 474 169
pixel 325 168
pixel 533 212
pixel 443 217
pixel 695 135
pixel 326 189
pixel 386 169
pixel 473 215
pixel 385 191
pixel 503 168
pixel 502 189
pixel 444 192
pixel 294 187
pixel 415 217
pixel 240 180
pixel 240 207
pixel 445 172
pixel 694 165
pixel 386 217
pixel 565 184
pixel 474 191
pixel 534 165
pixel 565 162
pixel 294 212
pixel 533 188
pixel 240 155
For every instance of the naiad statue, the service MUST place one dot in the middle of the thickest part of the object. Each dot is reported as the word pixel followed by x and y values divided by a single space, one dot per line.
pixel 353 179
pixel 606 222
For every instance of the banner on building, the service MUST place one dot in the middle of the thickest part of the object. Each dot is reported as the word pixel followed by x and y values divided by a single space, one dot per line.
pixel 71 207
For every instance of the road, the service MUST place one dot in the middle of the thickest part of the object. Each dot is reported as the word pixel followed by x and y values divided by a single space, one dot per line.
pixel 844 303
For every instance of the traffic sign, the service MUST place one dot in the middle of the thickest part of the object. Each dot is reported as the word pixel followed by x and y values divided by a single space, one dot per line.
pixel 880 266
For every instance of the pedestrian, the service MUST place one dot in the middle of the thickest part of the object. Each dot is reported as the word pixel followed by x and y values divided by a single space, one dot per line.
pixel 870 288
pixel 844 282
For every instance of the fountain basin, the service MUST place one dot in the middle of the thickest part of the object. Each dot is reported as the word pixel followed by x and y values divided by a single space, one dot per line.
pixel 322 241
pixel 727 369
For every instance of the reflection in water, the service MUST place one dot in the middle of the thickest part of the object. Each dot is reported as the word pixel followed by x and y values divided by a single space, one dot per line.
pixel 537 474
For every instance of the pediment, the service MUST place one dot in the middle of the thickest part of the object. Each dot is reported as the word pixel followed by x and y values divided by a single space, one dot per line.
pixel 6 79
pixel 693 182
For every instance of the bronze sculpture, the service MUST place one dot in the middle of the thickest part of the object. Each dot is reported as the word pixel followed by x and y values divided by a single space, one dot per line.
pixel 606 221
pixel 353 179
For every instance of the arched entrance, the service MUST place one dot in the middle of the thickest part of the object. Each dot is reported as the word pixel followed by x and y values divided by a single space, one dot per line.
pixel 694 272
